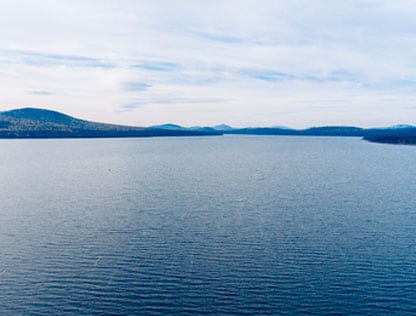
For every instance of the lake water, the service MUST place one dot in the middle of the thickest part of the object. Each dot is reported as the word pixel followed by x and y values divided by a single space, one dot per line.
pixel 210 225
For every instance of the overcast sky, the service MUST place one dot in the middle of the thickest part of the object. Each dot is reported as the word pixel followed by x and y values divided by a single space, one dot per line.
pixel 296 63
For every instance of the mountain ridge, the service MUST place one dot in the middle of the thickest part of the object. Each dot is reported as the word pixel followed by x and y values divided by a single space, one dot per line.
pixel 43 123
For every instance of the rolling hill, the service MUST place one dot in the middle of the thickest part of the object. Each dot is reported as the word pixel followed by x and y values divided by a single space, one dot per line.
pixel 42 123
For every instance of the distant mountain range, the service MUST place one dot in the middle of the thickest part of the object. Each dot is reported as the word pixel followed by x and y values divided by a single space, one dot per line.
pixel 42 123
pixel 313 131
pixel 399 134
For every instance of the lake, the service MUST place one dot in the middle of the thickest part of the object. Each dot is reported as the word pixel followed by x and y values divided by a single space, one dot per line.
pixel 210 225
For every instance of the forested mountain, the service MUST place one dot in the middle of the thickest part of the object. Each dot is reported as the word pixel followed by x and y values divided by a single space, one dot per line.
pixel 41 123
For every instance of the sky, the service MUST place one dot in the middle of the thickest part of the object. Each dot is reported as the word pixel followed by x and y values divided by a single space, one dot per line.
pixel 295 63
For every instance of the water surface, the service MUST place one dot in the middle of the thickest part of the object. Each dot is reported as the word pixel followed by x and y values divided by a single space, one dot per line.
pixel 209 225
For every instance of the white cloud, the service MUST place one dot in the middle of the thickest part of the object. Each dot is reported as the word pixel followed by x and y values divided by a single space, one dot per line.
pixel 246 62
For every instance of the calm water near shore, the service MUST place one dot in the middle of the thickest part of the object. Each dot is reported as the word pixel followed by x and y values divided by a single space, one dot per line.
pixel 209 225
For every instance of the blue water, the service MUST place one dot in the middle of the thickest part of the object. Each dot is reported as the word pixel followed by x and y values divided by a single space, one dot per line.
pixel 222 225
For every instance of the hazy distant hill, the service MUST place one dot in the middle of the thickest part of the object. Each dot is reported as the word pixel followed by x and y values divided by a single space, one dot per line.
pixel 333 131
pixel 168 126
pixel 313 131
pixel 262 131
pixel 41 123
pixel 223 127
pixel 399 134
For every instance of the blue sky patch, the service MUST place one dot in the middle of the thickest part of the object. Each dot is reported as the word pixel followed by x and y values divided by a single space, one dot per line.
pixel 159 66
pixel 53 60
pixel 135 86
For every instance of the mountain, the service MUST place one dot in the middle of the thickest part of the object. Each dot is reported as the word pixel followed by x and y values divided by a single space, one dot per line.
pixel 40 115
pixel 42 123
pixel 169 126
pixel 222 127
